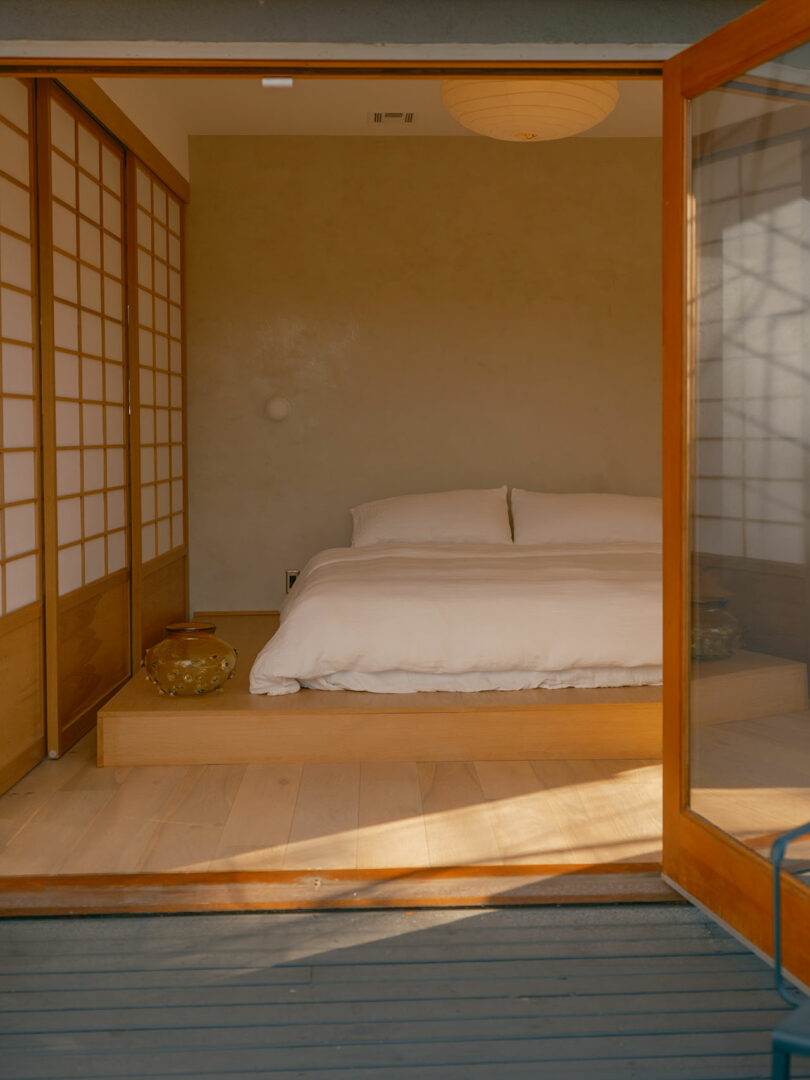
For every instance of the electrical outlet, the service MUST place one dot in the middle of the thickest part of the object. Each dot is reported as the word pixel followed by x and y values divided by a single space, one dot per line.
pixel 290 577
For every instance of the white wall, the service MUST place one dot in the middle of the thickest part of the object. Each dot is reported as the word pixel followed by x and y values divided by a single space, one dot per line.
pixel 439 312
pixel 141 100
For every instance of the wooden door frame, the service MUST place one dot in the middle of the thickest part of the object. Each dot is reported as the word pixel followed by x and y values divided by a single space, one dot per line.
pixel 46 894
pixel 686 832
pixel 708 865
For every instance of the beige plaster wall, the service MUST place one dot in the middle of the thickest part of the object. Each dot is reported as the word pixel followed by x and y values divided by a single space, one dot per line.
pixel 439 312
pixel 143 102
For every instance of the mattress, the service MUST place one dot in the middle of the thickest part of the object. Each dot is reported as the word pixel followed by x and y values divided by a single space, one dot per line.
pixel 398 618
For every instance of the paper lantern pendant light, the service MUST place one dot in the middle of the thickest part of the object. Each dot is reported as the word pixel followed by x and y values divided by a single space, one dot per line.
pixel 529 110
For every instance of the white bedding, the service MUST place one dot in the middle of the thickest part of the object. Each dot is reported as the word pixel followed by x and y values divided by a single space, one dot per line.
pixel 395 618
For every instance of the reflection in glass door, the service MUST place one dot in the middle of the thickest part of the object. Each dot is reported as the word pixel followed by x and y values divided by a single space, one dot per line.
pixel 749 731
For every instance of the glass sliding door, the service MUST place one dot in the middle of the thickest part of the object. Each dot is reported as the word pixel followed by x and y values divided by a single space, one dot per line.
pixel 737 153
pixel 749 733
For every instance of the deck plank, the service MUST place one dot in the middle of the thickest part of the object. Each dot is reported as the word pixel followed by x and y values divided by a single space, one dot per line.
pixel 604 992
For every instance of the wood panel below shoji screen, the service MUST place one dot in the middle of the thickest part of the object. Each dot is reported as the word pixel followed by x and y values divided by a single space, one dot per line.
pixel 22 712
pixel 85 434
pixel 157 398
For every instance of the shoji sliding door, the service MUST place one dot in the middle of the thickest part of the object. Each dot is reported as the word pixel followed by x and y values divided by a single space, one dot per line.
pixel 21 609
pixel 84 379
pixel 157 407
pixel 93 514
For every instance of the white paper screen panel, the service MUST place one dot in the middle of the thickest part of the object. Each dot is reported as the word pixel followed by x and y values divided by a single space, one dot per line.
pixel 754 322
pixel 160 366
pixel 86 197
pixel 19 400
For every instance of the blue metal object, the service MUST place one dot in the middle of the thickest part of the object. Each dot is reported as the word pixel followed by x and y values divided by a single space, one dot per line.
pixel 793 1034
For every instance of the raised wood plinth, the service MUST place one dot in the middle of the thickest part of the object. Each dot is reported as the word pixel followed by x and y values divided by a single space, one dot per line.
pixel 747 686
pixel 140 726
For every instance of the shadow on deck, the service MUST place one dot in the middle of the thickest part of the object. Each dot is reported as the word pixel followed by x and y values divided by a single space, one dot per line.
pixel 597 992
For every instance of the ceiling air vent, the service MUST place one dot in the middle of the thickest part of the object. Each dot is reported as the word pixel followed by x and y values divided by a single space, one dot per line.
pixel 388 119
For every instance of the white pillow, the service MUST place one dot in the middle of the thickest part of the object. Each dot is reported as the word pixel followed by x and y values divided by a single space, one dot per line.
pixel 544 518
pixel 444 517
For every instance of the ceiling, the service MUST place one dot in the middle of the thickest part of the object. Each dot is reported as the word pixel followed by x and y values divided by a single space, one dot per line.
pixel 240 106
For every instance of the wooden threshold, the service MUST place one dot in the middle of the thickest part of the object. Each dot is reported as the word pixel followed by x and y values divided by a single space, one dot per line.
pixel 142 726
pixel 292 890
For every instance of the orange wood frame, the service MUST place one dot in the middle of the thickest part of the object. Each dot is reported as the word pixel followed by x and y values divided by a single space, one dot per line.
pixel 704 862
pixel 55 67
pixel 728 877
pixel 115 892
pixel 303 890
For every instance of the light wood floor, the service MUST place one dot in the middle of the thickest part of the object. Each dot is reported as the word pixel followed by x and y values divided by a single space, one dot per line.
pixel 752 778
pixel 69 816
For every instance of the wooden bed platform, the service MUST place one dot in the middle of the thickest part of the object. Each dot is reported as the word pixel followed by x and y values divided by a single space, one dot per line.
pixel 141 726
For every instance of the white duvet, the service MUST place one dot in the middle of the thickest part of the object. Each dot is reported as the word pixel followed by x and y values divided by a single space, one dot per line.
pixel 394 618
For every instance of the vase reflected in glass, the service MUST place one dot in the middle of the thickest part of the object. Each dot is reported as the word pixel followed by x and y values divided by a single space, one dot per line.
pixel 716 633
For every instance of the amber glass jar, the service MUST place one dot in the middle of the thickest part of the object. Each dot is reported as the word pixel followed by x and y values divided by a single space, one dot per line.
pixel 190 660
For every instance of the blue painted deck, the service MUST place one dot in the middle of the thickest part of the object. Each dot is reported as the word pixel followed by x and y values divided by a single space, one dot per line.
pixel 650 992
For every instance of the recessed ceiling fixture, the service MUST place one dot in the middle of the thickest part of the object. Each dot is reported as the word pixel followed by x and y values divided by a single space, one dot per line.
pixel 389 117
pixel 276 82
pixel 529 110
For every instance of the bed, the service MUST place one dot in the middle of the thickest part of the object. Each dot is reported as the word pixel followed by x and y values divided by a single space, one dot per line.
pixel 403 615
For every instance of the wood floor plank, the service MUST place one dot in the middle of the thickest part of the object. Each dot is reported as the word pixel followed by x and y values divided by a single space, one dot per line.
pixel 750 776
pixel 359 1032
pixel 391 826
pixel 307 928
pixel 540 958
pixel 45 842
pixel 124 830
pixel 240 987
pixel 175 847
pixel 258 827
pixel 189 833
pixel 706 1011
pixel 377 816
pixel 624 800
pixel 569 804
pixel 28 795
pixel 266 1057
pixel 323 834
pixel 211 799
pixel 522 815
pixel 724 1067
pixel 458 822
pixel 299 942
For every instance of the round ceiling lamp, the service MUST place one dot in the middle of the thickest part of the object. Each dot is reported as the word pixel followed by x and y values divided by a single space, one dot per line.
pixel 529 110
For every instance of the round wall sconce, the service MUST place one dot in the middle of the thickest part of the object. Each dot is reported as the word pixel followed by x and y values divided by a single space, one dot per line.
pixel 278 408
pixel 529 110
